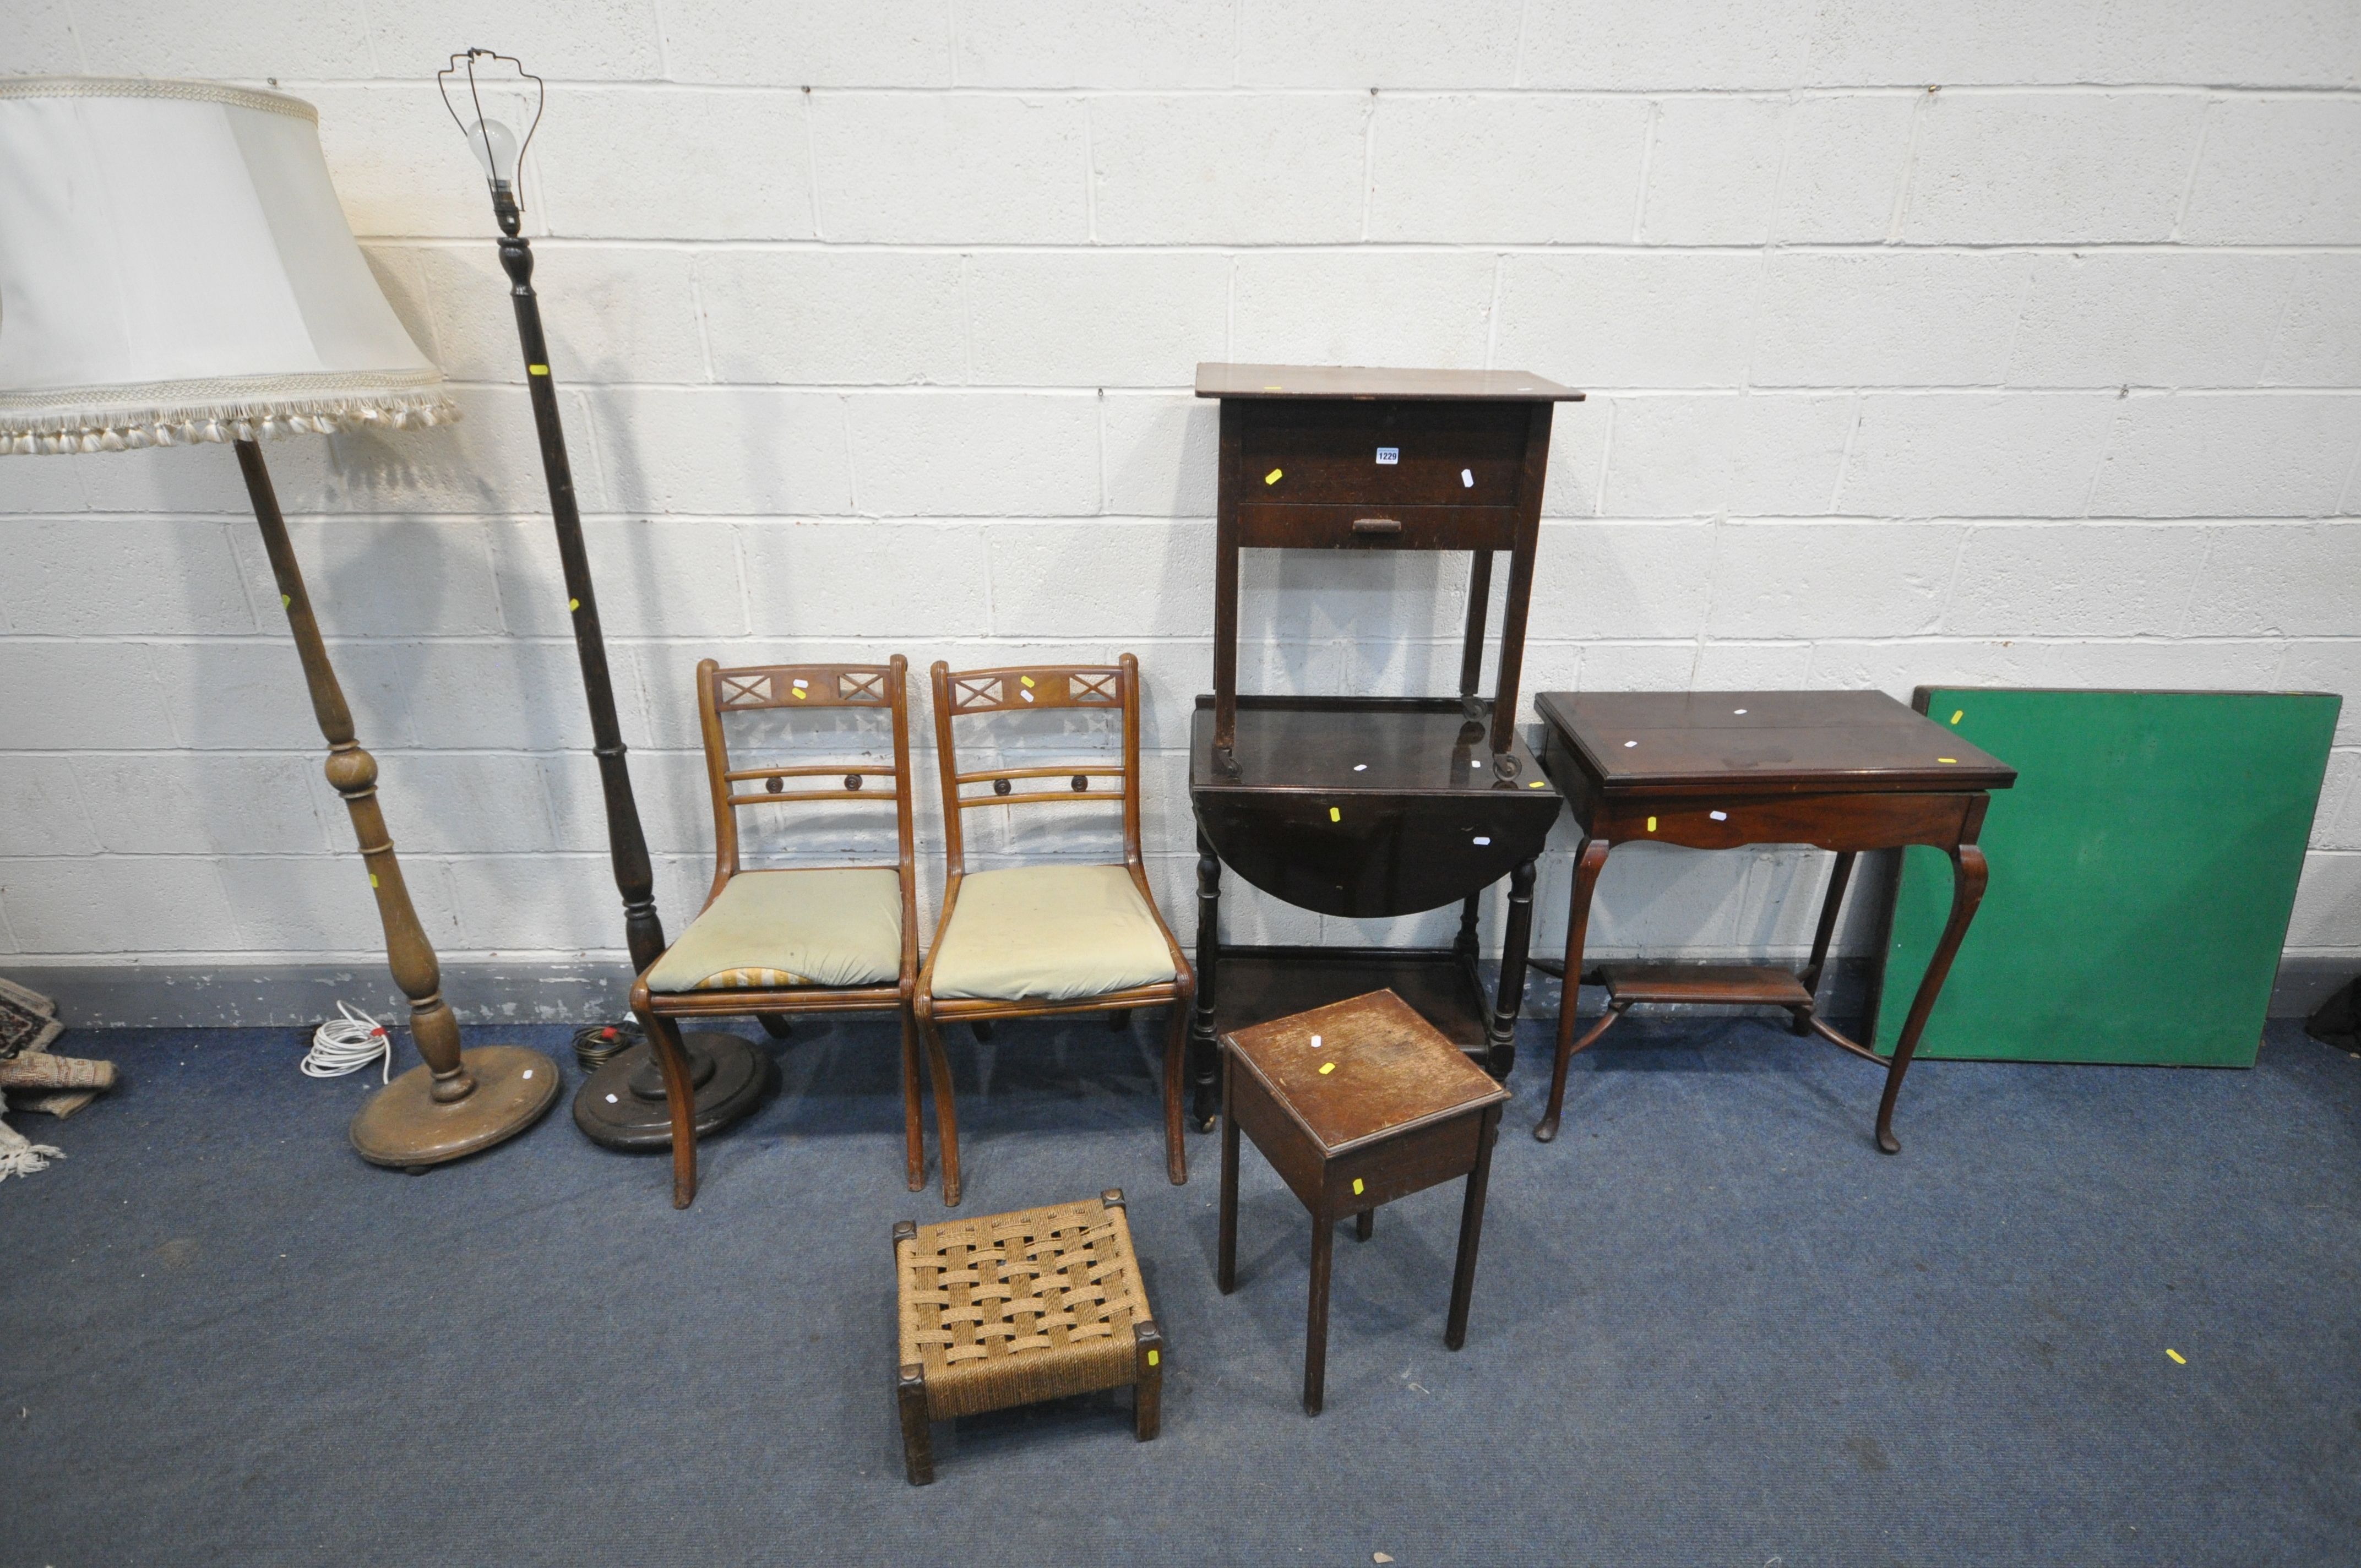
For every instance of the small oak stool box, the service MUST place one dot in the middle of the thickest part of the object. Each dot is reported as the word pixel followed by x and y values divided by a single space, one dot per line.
pixel 1356 1104
pixel 1015 1308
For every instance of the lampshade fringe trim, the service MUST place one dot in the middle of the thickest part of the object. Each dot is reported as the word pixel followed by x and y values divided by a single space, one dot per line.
pixel 251 421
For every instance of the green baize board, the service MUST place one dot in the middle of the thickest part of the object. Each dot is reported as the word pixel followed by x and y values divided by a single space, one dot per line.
pixel 2143 873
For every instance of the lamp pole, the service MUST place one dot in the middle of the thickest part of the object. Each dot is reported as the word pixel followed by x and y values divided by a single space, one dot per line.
pixel 622 1103
pixel 294 338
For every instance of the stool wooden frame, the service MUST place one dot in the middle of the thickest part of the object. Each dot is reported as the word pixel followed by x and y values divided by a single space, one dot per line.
pixel 749 689
pixel 1017 1309
pixel 972 692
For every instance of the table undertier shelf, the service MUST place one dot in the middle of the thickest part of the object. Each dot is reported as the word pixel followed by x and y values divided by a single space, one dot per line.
pixel 1722 985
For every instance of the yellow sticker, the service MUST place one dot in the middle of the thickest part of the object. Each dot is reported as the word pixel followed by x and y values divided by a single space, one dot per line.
pixel 1651 825
pixel 537 369
pixel 1326 1068
pixel 572 605
pixel 1271 388
pixel 372 878
pixel 799 694
pixel 1356 1186
pixel 1026 679
pixel 286 601
pixel 1537 784
pixel 1953 760
pixel 2178 1359
pixel 1155 1357
pixel 1271 477
pixel 1335 815
pixel 1957 715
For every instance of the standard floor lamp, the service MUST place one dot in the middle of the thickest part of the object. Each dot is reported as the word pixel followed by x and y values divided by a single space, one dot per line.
pixel 174 269
pixel 622 1103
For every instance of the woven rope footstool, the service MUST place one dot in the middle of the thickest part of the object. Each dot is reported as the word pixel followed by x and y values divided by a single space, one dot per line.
pixel 1015 1308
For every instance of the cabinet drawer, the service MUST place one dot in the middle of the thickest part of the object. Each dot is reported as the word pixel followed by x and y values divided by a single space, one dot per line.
pixel 1384 454
pixel 1332 526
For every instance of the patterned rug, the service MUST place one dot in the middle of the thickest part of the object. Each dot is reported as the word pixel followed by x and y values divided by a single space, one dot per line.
pixel 29 1021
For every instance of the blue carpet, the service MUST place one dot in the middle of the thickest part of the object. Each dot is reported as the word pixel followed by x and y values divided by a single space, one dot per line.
pixel 1712 1325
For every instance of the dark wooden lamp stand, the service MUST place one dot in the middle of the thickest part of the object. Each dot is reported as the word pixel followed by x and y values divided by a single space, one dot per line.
pixel 622 1104
pixel 460 1101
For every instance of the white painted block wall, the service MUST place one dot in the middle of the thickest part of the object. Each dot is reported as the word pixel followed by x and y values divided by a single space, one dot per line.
pixel 2017 343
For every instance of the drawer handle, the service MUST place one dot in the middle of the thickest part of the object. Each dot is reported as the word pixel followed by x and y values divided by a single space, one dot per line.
pixel 1376 525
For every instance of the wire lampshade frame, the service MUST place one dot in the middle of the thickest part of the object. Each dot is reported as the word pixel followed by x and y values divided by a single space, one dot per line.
pixel 506 198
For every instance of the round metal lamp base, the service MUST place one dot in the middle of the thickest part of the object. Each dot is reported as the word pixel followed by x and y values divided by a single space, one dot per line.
pixel 731 1075
pixel 401 1126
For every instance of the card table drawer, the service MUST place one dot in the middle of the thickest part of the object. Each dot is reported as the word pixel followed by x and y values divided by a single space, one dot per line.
pixel 1840 821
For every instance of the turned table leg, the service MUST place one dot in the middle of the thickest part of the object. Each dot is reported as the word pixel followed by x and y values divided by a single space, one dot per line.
pixel 1969 874
pixel 1517 936
pixel 1204 1052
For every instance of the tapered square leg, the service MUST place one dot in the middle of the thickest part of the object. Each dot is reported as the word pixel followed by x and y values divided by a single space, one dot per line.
pixel 1471 1233
pixel 1226 1272
pixel 1316 1316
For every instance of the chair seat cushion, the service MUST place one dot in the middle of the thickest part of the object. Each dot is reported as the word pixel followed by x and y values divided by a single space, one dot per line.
pixel 833 927
pixel 1049 933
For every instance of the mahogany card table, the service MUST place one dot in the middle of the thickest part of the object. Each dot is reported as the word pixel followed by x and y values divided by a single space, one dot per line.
pixel 1847 771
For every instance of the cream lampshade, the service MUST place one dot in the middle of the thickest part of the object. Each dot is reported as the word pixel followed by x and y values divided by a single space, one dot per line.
pixel 174 267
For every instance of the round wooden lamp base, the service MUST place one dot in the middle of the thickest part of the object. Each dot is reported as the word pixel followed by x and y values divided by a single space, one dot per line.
pixel 402 1126
pixel 622 1104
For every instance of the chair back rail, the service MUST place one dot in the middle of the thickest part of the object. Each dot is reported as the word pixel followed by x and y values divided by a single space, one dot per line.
pixel 773 686
pixel 964 693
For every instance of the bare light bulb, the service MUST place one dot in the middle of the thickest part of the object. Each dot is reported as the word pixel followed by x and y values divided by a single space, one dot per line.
pixel 495 146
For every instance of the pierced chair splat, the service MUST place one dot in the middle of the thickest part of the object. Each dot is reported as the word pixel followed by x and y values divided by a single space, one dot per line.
pixel 1067 937
pixel 838 938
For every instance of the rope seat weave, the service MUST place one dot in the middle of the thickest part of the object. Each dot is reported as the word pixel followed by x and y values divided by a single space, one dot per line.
pixel 1011 1308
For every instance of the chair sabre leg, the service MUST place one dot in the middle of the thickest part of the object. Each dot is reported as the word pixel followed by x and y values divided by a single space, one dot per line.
pixel 914 1137
pixel 1176 1073
pixel 680 1101
pixel 938 1076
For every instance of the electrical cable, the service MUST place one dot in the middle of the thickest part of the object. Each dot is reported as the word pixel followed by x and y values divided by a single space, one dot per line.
pixel 349 1043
